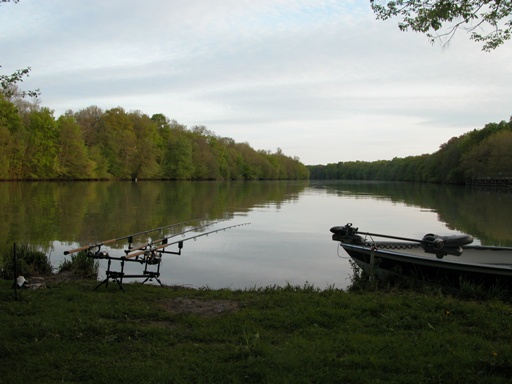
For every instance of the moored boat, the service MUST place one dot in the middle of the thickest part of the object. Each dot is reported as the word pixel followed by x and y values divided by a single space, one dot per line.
pixel 450 259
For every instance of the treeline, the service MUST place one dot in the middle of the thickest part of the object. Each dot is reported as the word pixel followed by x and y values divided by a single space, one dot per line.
pixel 115 144
pixel 478 154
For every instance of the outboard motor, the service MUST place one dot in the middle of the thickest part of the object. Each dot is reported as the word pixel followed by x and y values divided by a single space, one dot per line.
pixel 445 245
pixel 346 234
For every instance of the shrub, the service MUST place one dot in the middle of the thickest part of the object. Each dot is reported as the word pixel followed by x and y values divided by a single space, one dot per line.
pixel 80 265
pixel 29 261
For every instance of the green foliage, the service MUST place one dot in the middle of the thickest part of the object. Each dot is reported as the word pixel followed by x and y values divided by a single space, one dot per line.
pixel 8 84
pixel 9 116
pixel 492 157
pixel 30 261
pixel 43 145
pixel 74 162
pixel 362 282
pixel 114 144
pixel 118 142
pixel 148 156
pixel 476 154
pixel 12 141
pixel 80 265
pixel 359 280
pixel 488 21
pixel 89 120
pixel 178 162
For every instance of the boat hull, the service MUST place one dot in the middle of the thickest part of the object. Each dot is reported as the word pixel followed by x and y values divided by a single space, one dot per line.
pixel 479 265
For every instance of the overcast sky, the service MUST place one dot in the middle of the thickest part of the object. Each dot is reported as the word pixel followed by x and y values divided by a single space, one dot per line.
pixel 321 79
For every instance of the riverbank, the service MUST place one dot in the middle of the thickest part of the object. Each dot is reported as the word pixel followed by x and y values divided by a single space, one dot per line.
pixel 71 333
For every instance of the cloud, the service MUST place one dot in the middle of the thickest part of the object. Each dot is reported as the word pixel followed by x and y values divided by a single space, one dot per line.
pixel 322 80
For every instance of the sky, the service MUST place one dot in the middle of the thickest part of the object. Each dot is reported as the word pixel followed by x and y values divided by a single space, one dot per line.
pixel 322 80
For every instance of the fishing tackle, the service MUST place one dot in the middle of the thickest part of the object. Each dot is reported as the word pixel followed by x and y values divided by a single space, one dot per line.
pixel 149 254
pixel 129 237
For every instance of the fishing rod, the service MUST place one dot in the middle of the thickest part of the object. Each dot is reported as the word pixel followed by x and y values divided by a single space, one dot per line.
pixel 88 247
pixel 179 242
pixel 151 243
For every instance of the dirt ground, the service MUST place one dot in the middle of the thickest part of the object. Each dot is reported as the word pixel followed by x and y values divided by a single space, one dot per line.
pixel 179 305
pixel 182 305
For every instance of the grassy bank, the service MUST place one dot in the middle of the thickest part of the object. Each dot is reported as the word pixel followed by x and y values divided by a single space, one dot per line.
pixel 72 334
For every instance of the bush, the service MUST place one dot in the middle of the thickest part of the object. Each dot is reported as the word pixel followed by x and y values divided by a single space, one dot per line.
pixel 80 265
pixel 29 261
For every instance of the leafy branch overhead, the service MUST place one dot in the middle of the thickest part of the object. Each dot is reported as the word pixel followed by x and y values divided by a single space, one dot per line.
pixel 487 21
pixel 8 83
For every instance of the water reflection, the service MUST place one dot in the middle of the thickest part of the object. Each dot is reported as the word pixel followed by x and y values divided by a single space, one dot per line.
pixel 84 212
pixel 482 212
pixel 287 242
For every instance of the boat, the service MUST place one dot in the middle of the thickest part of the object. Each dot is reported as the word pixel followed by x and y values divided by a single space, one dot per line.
pixel 448 259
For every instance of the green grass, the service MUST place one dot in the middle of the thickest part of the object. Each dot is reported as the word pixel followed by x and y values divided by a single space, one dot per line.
pixel 71 333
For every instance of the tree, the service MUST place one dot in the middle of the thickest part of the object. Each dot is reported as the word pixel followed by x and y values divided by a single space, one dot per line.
pixel 205 160
pixel 488 21
pixel 9 116
pixel 43 145
pixel 74 162
pixel 148 156
pixel 491 157
pixel 118 142
pixel 89 120
pixel 162 122
pixel 12 141
pixel 178 159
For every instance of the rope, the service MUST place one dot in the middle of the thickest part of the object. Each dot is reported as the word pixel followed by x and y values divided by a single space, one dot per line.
pixel 389 245
pixel 383 245
pixel 395 245
pixel 338 251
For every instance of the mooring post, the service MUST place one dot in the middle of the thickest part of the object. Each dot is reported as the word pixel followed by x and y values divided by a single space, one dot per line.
pixel 372 263
pixel 15 271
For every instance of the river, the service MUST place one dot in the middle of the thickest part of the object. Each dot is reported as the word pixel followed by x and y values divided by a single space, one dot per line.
pixel 287 241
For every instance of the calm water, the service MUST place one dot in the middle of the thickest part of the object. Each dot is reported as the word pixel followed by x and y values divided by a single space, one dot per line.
pixel 288 240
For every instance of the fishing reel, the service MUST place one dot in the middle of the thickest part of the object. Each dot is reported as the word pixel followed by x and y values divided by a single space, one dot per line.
pixel 152 257
pixel 98 254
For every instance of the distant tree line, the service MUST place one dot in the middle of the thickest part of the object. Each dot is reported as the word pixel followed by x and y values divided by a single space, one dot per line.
pixel 115 144
pixel 478 154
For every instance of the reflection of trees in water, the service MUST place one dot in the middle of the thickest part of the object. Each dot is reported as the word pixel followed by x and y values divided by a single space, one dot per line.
pixel 483 213
pixel 88 212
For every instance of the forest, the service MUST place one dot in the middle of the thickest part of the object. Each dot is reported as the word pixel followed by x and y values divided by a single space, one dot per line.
pixel 478 154
pixel 93 144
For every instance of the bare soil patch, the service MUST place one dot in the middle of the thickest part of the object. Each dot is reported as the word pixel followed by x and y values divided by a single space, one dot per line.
pixel 182 305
